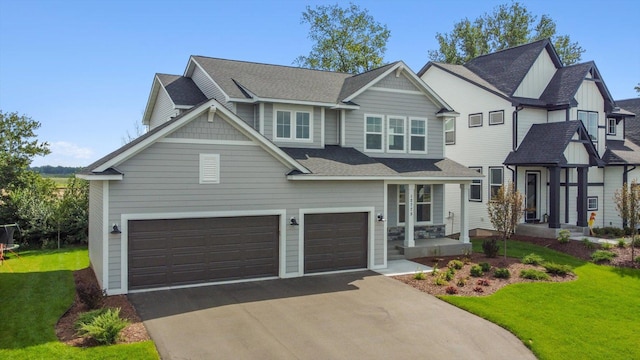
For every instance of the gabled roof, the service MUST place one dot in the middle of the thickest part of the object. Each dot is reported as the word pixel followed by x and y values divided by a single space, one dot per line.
pixel 565 83
pixel 632 123
pixel 182 90
pixel 621 152
pixel 348 163
pixel 544 145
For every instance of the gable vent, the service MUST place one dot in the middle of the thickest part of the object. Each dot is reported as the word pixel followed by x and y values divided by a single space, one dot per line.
pixel 209 168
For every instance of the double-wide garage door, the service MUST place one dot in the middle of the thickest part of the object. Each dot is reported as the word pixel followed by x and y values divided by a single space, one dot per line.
pixel 174 252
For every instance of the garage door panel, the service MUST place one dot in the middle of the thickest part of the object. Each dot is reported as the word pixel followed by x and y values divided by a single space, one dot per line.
pixel 190 251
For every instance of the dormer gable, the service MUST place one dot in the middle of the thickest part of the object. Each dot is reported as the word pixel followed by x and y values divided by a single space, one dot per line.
pixel 538 77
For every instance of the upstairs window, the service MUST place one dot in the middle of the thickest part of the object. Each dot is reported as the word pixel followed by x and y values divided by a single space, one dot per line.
pixel 418 140
pixel 283 124
pixel 303 125
pixel 590 121
pixel 293 125
pixel 611 126
pixel 373 132
pixel 450 131
pixel 496 179
pixel 395 131
pixel 475 120
pixel 496 117
pixel 475 189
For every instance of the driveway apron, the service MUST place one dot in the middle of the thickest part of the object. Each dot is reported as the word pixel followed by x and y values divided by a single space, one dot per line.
pixel 356 315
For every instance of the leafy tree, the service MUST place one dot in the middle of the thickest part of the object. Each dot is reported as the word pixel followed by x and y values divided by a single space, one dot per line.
pixel 627 200
pixel 18 147
pixel 346 39
pixel 505 211
pixel 509 25
pixel 73 210
pixel 637 88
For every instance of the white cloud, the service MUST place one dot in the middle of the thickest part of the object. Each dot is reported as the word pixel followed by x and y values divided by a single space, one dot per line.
pixel 64 153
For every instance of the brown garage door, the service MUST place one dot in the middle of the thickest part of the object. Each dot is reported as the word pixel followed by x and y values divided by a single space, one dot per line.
pixel 335 241
pixel 173 252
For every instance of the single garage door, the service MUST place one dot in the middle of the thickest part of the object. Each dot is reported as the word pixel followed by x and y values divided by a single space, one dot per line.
pixel 173 252
pixel 337 241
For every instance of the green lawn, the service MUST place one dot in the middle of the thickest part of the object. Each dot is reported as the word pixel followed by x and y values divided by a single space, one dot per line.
pixel 32 299
pixel 596 316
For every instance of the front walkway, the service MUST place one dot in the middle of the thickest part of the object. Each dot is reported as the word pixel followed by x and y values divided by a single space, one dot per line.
pixel 402 267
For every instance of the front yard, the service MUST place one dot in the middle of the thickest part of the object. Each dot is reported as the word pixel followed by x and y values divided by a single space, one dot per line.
pixel 35 295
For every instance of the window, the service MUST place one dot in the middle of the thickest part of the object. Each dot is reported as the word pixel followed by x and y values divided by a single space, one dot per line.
pixel 450 131
pixel 373 132
pixel 209 168
pixel 395 134
pixel 611 126
pixel 592 203
pixel 590 121
pixel 496 117
pixel 475 120
pixel 475 189
pixel 423 203
pixel 496 180
pixel 418 135
pixel 300 121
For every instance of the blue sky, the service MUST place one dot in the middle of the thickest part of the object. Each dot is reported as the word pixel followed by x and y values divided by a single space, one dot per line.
pixel 84 68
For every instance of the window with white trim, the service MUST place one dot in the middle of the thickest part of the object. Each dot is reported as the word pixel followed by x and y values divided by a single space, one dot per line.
pixel 395 134
pixel 592 203
pixel 450 131
pixel 475 120
pixel 402 201
pixel 590 121
pixel 293 125
pixel 418 135
pixel 209 168
pixel 423 201
pixel 611 126
pixel 475 189
pixel 373 132
pixel 496 180
pixel 496 117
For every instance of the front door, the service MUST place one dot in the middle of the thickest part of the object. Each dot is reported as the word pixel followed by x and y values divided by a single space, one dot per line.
pixel 532 194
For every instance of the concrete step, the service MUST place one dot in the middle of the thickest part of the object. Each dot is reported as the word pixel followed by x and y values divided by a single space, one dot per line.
pixel 395 257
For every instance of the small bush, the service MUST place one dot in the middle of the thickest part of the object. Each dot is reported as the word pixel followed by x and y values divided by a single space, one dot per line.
pixel 611 231
pixel 485 266
pixel 90 294
pixel 419 275
pixel 461 282
pixel 557 269
pixel 451 290
pixel 478 289
pixel 435 271
pixel 636 242
pixel 533 274
pixel 483 282
pixel 532 259
pixel 490 247
pixel 600 256
pixel 637 259
pixel 563 236
pixel 606 246
pixel 476 271
pixel 87 317
pixel 440 280
pixel 104 328
pixel 455 264
pixel 502 273
pixel 588 244
pixel 449 274
pixel 621 244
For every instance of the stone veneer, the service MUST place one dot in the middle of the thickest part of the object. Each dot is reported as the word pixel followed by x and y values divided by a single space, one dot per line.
pixel 420 232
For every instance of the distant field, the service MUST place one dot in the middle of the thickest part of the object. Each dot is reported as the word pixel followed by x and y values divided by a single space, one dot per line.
pixel 61 182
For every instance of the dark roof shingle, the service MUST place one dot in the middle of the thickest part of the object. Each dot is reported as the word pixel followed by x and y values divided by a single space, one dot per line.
pixel 182 90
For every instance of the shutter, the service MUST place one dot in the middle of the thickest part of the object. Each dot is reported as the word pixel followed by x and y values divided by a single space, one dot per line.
pixel 209 168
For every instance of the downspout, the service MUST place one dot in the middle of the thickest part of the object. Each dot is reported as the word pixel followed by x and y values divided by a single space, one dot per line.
pixel 566 195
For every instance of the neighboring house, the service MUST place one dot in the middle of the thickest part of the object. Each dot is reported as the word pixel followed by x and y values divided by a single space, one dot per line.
pixel 254 171
pixel 553 130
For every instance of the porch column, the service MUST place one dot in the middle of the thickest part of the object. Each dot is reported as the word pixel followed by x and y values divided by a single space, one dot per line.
pixel 554 197
pixel 464 213
pixel 583 181
pixel 409 213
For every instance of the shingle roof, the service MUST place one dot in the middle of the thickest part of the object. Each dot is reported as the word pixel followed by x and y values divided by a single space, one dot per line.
pixel 545 144
pixel 357 82
pixel 182 90
pixel 338 161
pixel 565 83
pixel 621 152
pixel 631 124
pixel 465 73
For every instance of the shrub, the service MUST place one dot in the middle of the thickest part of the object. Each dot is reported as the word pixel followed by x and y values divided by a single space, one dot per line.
pixel 533 274
pixel 588 244
pixel 621 243
pixel 87 317
pixel 440 280
pixel 502 273
pixel 104 328
pixel 478 289
pixel 449 274
pixel 532 259
pixel 455 264
pixel 476 271
pixel 611 231
pixel 461 282
pixel 435 271
pixel 451 290
pixel 637 259
pixel 490 247
pixel 419 275
pixel 90 294
pixel 485 266
pixel 606 246
pixel 563 236
pixel 557 269
pixel 635 242
pixel 600 256
pixel 483 282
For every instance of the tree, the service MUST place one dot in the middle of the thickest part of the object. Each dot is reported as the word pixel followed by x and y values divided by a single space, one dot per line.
pixel 138 130
pixel 346 39
pixel 637 88
pixel 509 25
pixel 18 147
pixel 627 200
pixel 505 211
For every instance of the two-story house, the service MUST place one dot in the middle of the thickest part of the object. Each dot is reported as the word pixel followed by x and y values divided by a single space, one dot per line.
pixel 254 171
pixel 553 130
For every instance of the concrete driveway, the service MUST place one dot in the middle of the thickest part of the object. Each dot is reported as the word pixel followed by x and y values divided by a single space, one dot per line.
pixel 358 315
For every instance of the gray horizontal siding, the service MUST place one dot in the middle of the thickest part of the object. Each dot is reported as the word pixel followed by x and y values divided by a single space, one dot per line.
pixel 248 113
pixel 331 127
pixel 399 83
pixel 162 110
pixel 201 128
pixel 208 87
pixel 96 228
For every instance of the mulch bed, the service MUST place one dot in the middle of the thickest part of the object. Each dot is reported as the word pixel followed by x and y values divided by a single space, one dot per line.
pixel 134 332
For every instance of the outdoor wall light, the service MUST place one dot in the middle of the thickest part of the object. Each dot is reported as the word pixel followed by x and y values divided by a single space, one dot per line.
pixel 293 221
pixel 115 229
pixel 381 217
